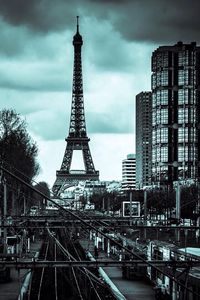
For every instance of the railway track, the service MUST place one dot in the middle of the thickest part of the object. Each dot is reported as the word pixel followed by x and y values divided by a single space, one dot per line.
pixel 74 283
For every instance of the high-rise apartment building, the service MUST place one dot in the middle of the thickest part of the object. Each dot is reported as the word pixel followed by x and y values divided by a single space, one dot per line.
pixel 129 172
pixel 175 113
pixel 143 139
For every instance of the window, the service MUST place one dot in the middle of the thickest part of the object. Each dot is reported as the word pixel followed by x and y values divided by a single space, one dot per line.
pixel 154 118
pixel 164 154
pixel 183 77
pixel 182 153
pixel 154 81
pixel 192 115
pixel 165 59
pixel 164 97
pixel 164 135
pixel 183 58
pixel 182 115
pixel 154 155
pixel 182 96
pixel 182 134
pixel 164 116
pixel 164 78
pixel 160 98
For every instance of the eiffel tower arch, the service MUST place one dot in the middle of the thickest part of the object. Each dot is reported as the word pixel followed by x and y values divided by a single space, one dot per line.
pixel 77 138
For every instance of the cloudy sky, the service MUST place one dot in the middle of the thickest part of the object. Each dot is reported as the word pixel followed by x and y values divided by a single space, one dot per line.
pixel 36 62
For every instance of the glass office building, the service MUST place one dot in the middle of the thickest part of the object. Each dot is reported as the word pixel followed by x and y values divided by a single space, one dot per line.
pixel 143 139
pixel 175 113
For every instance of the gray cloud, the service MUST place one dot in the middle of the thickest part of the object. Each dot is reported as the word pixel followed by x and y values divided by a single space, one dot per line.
pixel 105 49
pixel 51 125
pixel 21 43
pixel 33 77
pixel 108 122
pixel 159 21
pixel 135 20
pixel 39 15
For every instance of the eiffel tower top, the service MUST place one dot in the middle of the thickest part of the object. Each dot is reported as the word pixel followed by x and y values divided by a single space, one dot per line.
pixel 77 40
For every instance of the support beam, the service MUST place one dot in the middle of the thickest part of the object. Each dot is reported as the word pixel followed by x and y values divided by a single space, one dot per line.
pixel 97 263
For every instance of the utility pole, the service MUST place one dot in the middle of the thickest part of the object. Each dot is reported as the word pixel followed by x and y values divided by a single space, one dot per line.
pixel 108 206
pixel 4 215
pixel 24 205
pixel 198 210
pixel 145 212
pixel 131 208
pixel 178 200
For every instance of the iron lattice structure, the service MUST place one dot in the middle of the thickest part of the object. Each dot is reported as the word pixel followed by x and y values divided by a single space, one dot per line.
pixel 77 138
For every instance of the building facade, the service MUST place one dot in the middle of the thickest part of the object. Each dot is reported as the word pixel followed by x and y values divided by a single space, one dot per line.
pixel 143 139
pixel 129 172
pixel 175 113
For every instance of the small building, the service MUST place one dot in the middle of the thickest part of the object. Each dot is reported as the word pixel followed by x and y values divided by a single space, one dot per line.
pixel 129 172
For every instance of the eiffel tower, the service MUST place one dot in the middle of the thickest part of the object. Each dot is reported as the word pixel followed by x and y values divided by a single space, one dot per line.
pixel 77 138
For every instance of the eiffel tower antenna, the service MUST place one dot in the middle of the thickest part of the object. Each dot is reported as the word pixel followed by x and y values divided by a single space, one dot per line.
pixel 77 138
pixel 77 25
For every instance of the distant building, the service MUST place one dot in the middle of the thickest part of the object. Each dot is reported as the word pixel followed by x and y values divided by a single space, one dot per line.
pixel 94 187
pixel 175 113
pixel 143 139
pixel 129 172
pixel 113 186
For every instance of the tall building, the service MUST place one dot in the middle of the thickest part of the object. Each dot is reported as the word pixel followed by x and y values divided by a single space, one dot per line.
pixel 143 139
pixel 129 172
pixel 175 113
pixel 77 138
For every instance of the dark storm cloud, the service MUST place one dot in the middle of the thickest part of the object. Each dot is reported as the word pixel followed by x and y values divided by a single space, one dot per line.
pixel 155 20
pixel 40 15
pixel 160 21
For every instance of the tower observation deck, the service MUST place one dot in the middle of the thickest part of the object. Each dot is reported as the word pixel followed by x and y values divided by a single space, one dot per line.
pixel 77 138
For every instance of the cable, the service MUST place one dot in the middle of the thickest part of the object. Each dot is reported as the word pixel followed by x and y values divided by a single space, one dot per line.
pixel 97 230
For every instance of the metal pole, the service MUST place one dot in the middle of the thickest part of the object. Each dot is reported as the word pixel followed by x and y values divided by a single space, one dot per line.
pixel 24 206
pixel 145 213
pixel 197 211
pixel 108 206
pixel 5 215
pixel 131 208
pixel 178 198
pixel 103 204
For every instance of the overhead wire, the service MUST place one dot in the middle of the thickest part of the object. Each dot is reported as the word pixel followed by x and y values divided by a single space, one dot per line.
pixel 97 230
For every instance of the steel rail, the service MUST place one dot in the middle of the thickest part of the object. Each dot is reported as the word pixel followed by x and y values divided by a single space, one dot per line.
pixel 42 272
pixel 72 267
pixel 87 273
